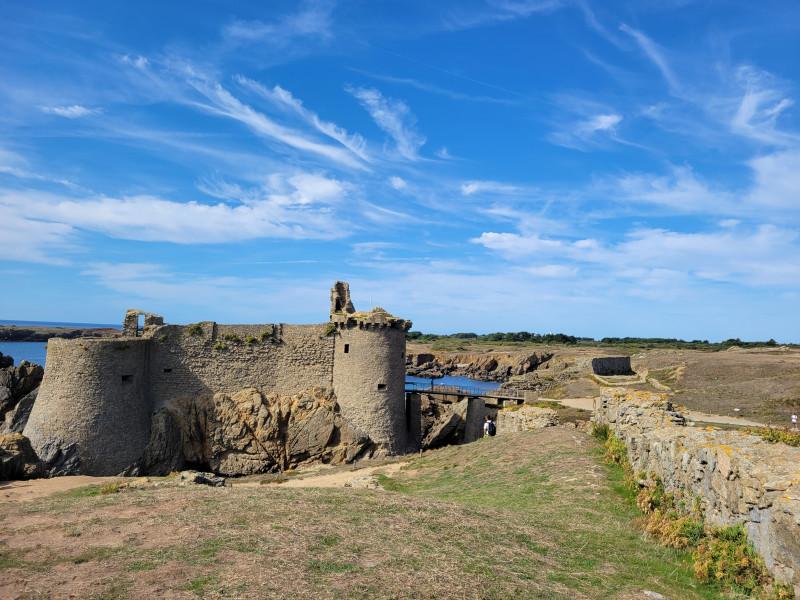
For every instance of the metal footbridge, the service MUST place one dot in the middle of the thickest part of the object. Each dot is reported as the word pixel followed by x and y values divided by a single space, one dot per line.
pixel 453 393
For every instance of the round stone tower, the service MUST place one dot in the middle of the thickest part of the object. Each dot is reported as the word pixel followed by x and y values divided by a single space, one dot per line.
pixel 369 370
pixel 92 412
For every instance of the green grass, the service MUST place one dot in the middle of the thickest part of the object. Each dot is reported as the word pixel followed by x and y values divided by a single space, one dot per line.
pixel 586 533
pixel 532 515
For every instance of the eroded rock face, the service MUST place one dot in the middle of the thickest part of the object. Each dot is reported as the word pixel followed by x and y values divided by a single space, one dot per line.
pixel 17 458
pixel 18 387
pixel 250 432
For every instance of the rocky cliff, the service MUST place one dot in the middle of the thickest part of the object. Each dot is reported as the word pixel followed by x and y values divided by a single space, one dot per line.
pixel 738 478
pixel 490 366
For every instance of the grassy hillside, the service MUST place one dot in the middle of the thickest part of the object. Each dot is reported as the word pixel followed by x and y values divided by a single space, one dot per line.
pixel 530 515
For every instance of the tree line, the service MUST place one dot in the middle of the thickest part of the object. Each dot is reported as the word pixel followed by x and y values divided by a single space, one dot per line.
pixel 563 338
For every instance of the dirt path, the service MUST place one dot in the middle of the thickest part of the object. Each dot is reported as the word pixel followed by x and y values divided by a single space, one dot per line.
pixel 16 491
pixel 691 415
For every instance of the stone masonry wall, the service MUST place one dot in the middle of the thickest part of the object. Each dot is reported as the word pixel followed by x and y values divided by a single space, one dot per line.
pixel 738 477
pixel 207 358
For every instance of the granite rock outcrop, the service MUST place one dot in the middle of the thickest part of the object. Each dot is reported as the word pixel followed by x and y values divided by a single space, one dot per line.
pixel 18 388
pixel 251 432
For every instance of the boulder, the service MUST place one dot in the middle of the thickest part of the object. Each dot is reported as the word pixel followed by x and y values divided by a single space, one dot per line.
pixel 17 383
pixel 200 477
pixel 17 458
pixel 16 418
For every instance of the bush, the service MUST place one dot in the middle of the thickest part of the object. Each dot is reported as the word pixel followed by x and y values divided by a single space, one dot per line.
pixel 600 431
pixel 219 346
pixel 615 450
pixel 776 435
pixel 251 340
pixel 232 337
pixel 726 557
pixel 266 335
pixel 195 329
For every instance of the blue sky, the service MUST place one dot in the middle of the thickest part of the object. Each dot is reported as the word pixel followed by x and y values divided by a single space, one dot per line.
pixel 597 168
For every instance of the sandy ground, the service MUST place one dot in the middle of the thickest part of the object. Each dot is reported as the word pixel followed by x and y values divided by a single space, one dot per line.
pixel 20 491
pixel 38 488
pixel 327 480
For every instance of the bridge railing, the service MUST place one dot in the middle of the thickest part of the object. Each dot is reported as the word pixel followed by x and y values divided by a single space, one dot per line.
pixel 461 390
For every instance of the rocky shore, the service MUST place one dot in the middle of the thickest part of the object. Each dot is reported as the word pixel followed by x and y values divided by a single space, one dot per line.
pixel 16 333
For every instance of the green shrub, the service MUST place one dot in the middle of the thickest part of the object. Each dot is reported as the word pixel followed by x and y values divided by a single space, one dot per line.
pixel 600 431
pixel 330 329
pixel 726 557
pixel 776 435
pixel 251 340
pixel 195 329
pixel 615 450
pixel 266 336
pixel 219 346
pixel 232 337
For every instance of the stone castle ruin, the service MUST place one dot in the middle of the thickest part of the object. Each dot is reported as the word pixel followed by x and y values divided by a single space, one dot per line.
pixel 236 399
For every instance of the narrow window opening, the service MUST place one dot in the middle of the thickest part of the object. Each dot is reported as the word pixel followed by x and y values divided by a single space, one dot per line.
pixel 381 386
pixel 167 370
pixel 127 378
pixel 346 348
pixel 139 324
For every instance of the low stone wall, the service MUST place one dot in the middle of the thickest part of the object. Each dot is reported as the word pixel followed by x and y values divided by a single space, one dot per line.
pixel 739 478
pixel 525 418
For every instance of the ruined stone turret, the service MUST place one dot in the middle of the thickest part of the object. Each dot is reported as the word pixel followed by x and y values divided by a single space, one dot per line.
pixel 369 371
pixel 340 299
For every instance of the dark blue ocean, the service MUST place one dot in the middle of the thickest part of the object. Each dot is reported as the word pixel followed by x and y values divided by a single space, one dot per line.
pixel 35 352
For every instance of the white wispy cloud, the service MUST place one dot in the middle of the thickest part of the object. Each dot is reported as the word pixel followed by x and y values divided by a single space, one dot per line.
pixel 761 104
pixel 312 21
pixel 300 206
pixel 394 117
pixel 398 183
pixel 716 255
pixel 284 98
pixel 222 102
pixel 585 133
pixel 73 111
pixel 498 11
pixel 436 89
pixel 655 54
pixel 470 188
